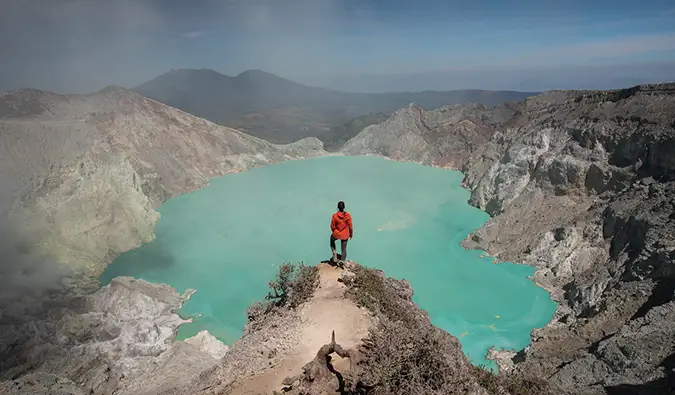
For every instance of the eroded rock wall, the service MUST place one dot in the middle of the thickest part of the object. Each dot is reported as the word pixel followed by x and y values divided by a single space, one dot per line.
pixel 580 186
pixel 118 339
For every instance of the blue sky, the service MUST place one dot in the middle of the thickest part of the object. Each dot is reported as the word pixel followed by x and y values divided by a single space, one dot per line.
pixel 78 45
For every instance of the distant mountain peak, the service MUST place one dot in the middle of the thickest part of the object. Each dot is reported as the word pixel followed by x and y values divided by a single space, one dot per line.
pixel 265 77
pixel 182 71
pixel 281 110
pixel 253 73
pixel 256 73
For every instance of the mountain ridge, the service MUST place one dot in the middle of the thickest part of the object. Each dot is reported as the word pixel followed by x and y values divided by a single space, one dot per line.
pixel 281 111
pixel 266 74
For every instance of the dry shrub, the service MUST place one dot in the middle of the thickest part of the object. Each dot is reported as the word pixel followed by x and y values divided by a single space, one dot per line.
pixel 371 290
pixel 303 285
pixel 293 285
pixel 403 360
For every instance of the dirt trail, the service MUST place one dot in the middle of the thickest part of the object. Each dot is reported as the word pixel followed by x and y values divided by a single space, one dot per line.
pixel 328 310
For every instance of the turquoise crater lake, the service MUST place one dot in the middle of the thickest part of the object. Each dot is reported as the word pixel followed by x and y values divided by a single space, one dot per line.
pixel 227 241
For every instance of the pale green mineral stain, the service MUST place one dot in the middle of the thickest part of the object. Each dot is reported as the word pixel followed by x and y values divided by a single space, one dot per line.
pixel 227 240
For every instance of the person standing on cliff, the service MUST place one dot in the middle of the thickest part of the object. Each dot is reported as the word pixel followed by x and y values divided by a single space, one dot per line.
pixel 341 229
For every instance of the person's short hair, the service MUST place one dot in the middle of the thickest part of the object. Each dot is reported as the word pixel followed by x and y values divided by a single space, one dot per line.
pixel 341 205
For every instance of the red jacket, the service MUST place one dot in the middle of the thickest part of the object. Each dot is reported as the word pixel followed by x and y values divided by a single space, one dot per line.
pixel 341 225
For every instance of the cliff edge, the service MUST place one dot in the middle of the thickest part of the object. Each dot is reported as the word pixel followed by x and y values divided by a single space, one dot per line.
pixel 350 331
pixel 580 185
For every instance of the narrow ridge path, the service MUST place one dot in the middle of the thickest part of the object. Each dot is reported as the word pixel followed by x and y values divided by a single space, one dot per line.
pixel 328 310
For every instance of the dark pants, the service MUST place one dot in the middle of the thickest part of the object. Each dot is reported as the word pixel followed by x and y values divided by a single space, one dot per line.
pixel 343 246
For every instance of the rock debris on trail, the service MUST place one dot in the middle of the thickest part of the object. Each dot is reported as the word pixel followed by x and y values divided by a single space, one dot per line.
pixel 328 311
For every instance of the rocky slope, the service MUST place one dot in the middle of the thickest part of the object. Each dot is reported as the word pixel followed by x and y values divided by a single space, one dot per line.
pixel 581 186
pixel 443 137
pixel 356 332
pixel 119 339
pixel 89 169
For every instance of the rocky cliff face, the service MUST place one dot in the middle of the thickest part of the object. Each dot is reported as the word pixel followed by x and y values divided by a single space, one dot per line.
pixel 116 340
pixel 441 137
pixel 579 185
pixel 92 167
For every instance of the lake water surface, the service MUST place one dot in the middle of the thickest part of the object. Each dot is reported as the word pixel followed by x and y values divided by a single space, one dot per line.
pixel 227 241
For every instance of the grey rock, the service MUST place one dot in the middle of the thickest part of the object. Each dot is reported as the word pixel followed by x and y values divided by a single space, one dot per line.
pixel 41 384
pixel 123 340
pixel 580 186
pixel 441 137
pixel 346 277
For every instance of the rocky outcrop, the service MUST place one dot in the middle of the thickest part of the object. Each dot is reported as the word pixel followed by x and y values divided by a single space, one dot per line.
pixel 618 332
pixel 119 339
pixel 399 353
pixel 579 185
pixel 442 137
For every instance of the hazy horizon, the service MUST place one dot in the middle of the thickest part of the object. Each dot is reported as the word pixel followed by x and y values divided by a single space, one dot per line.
pixel 78 46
